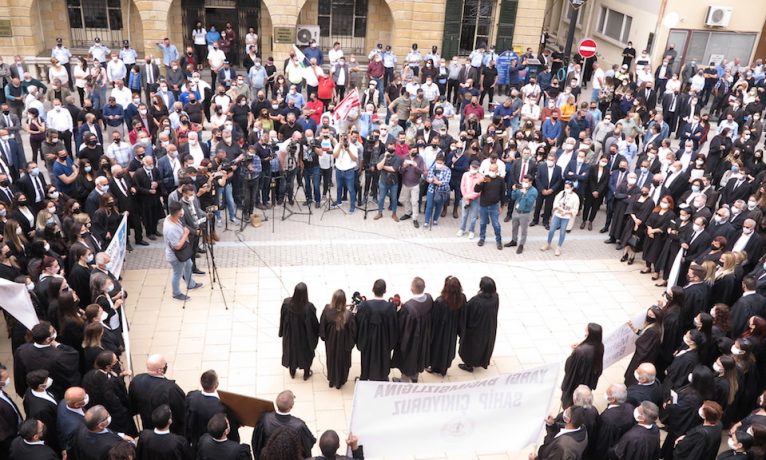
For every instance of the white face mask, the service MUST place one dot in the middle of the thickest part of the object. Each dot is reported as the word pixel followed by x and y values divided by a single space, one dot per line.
pixel 735 350
pixel 104 315
pixel 732 444
pixel 549 163
pixel 716 367
pixel 696 227
pixel 636 415
pixel 700 413
pixel 631 181
pixel 48 383
pixel 635 376
pixel 492 174
pixel 664 205
pixel 7 382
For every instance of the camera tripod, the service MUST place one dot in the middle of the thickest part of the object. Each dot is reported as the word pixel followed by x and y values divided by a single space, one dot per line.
pixel 328 203
pixel 248 207
pixel 289 212
pixel 208 245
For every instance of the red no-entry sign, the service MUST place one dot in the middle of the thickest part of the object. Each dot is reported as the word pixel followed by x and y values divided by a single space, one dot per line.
pixel 587 48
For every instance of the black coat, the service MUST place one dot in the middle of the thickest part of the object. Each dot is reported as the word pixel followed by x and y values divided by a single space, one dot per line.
pixel 612 424
pixel 45 411
pixel 10 419
pixel 570 445
pixel 680 418
pixel 411 352
pixel 377 336
pixel 111 393
pixel 647 351
pixel 640 393
pixel 679 370
pixel 67 425
pixel 299 330
pixel 741 312
pixel 147 393
pixel 696 300
pixel 169 446
pixel 94 446
pixel 583 367
pixel 444 328
pixel 199 410
pixel 20 450
pixel 211 449
pixel 639 443
pixel 699 443
pixel 478 329
pixel 339 343
pixel 270 422
pixel 62 364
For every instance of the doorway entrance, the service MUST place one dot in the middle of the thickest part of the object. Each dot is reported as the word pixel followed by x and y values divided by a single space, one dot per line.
pixel 242 14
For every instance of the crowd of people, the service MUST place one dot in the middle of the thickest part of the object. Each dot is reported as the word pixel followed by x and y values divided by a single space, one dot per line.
pixel 191 139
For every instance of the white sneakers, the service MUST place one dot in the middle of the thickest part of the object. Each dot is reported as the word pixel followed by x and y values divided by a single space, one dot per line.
pixel 558 251
pixel 460 233
pixel 470 235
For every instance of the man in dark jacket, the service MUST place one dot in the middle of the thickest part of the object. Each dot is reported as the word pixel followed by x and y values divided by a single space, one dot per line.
pixel 378 334
pixel 414 318
pixel 642 442
pixel 29 445
pixel 271 421
pixel 201 406
pixel 567 444
pixel 614 421
pixel 329 443
pixel 160 443
pixel 215 445
pixel 491 189
pixel 152 389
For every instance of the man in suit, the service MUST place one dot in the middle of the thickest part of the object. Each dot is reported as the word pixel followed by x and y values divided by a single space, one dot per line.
pixel 11 153
pixel 644 175
pixel 748 240
pixel 150 75
pixel 169 167
pixel 7 190
pixel 166 94
pixel 30 445
pixel 720 226
pixel 70 416
pixel 696 295
pixel 616 179
pixel 738 214
pixel 93 201
pixel 10 415
pixel 121 186
pixel 671 104
pixel 647 388
pixel 90 126
pixel 33 185
pixel 643 439
pixel 215 444
pixel 94 439
pixel 520 167
pixel 329 443
pixel 738 187
pixel 149 192
pixel 160 442
pixel 202 405
pixel 41 405
pixel 614 421
pixel 647 95
pixel 577 172
pixel 192 219
pixel 676 181
pixel 750 304
pixel 11 122
pixel 61 361
pixel 549 182
pixel 189 147
pixel 692 131
pixel 149 390
pixel 227 75
pixel 569 443
pixel 270 421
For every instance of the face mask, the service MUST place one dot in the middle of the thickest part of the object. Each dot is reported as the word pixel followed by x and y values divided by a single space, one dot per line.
pixel 525 185
pixel 104 315
pixel 736 351
pixel 88 169
pixel 716 367
pixel 696 227
pixel 631 181
pixel 746 231
pixel 689 342
pixel 732 444
pixel 664 205
pixel 48 383
pixel 636 415
pixel 549 163
pixel 109 420
pixel 142 112
pixel 18 230
pixel 492 174
pixel 695 188
pixel 751 205
pixel 30 288
pixel 603 164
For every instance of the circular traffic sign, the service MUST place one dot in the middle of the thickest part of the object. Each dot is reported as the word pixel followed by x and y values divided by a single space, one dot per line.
pixel 587 48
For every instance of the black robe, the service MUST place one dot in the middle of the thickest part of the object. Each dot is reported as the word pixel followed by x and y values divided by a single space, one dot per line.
pixel 268 424
pixel 444 327
pixel 672 337
pixel 478 329
pixel 680 418
pixel 570 445
pixel 612 424
pixel 647 351
pixel 169 446
pixel 20 450
pixel 147 393
pixel 211 449
pixel 724 289
pixel 338 344
pixel 88 445
pixel 699 443
pixel 696 300
pixel 639 443
pixel 741 312
pixel 299 330
pixel 111 393
pixel 679 370
pixel 62 363
pixel 639 393
pixel 45 411
pixel 199 410
pixel 653 246
pixel 642 211
pixel 583 367
pixel 377 336
pixel 411 351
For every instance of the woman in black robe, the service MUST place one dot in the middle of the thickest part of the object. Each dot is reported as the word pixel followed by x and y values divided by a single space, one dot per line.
pixel 79 275
pixel 584 365
pixel 703 441
pixel 725 284
pixel 106 387
pixel 707 351
pixel 677 232
pixel 445 317
pixel 684 361
pixel 621 201
pixel 337 328
pixel 478 326
pixel 639 209
pixel 647 343
pixel 725 381
pixel 299 330
pixel 758 416
pixel 672 333
pixel 747 382
pixel 656 233
pixel 681 414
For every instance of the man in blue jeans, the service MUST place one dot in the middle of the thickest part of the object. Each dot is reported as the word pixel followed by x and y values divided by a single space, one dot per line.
pixel 309 163
pixel 388 181
pixel 346 157
pixel 491 190
pixel 176 236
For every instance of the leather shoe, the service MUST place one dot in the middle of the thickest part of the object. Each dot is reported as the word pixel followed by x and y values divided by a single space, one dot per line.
pixel 510 244
pixel 307 374
pixel 444 211
pixel 520 249
pixel 533 223
pixel 416 224
pixel 590 226
pixel 610 241
pixel 499 246
pixel 396 219
pixel 151 237
pixel 142 243
pixel 454 213
pixel 603 230
pixel 405 217
pixel 507 218
pixel 129 247
pixel 582 225
pixel 465 367
pixel 378 216
pixel 197 271
pixel 480 243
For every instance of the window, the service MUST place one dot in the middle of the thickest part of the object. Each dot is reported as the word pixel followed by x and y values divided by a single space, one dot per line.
pixel 614 25
pixel 568 10
pixel 95 14
pixel 476 26
pixel 343 18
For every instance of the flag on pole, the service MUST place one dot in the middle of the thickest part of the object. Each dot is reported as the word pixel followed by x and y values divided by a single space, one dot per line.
pixel 301 57
pixel 349 102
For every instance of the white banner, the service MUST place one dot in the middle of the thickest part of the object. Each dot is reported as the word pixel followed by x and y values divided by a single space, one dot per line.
pixel 117 247
pixel 622 341
pixel 17 303
pixel 429 419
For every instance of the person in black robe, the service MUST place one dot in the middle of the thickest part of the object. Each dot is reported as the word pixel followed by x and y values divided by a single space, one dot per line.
pixel 622 198
pixel 747 381
pixel 647 387
pixel 696 296
pixel 26 447
pixel 684 361
pixel 647 343
pixel 152 389
pixel 726 283
pixel 414 319
pixel 79 275
pixel 678 231
pixel 94 440
pixel 478 326
pixel 107 388
pixel 40 405
pixel 159 443
pixel 672 333
pixel 750 304
pixel 337 328
pixel 613 422
pixel 642 441
pixel 657 226
pixel 299 330
pixel 445 320
pixel 201 406
pixel 703 441
pixel 377 334
pixel 681 411
pixel 582 398
pixel 329 443
pixel 215 445
pixel 271 421
pixel 571 444
pixel 740 442
pixel 584 365
pixel 725 374
pixel 61 361
pixel 638 210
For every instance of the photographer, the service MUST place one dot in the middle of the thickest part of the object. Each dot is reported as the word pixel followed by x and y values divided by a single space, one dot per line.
pixel 326 146
pixel 388 167
pixel 223 172
pixel 491 189
pixel 194 219
pixel 412 169
pixel 345 154
pixel 266 154
pixel 373 152
pixel 205 185
pixel 251 170
pixel 290 152
pixel 309 164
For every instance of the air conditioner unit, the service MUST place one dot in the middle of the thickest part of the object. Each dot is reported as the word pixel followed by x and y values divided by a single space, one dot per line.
pixel 304 34
pixel 718 16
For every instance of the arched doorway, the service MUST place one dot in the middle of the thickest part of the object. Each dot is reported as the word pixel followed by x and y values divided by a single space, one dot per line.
pixel 358 25
pixel 107 19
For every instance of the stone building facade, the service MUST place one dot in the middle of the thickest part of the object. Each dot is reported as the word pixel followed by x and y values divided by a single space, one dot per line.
pixel 30 27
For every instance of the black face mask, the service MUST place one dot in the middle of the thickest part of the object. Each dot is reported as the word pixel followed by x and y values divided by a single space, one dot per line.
pixel 623 169
pixel 6 112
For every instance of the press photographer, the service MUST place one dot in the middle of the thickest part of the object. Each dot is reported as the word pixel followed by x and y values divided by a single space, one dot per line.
pixel 194 219
pixel 309 164
pixel 223 173
pixel 373 152
pixel 388 170
pixel 290 153
pixel 345 154
pixel 266 152
pixel 251 171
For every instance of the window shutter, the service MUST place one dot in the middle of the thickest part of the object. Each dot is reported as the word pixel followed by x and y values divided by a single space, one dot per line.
pixel 505 25
pixel 453 15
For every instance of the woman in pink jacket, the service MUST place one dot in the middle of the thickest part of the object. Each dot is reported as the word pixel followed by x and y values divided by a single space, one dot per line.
pixel 470 205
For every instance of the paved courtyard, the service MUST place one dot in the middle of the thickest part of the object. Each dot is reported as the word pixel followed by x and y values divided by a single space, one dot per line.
pixel 545 301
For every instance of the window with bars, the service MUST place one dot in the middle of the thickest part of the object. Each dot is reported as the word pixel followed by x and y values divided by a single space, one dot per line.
pixel 343 18
pixel 476 25
pixel 95 14
pixel 614 24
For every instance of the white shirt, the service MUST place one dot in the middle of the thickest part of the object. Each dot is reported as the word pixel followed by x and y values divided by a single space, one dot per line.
pixel 61 54
pixel 60 120
pixel 123 96
pixel 344 162
pixel 44 395
pixel 120 152
pixel 116 70
pixel 99 52
pixel 741 242
pixel 333 55
pixel 564 431
pixel 598 77
pixel 199 36
pixel 216 57
pixel 196 152
pixel 484 167
pixel 430 92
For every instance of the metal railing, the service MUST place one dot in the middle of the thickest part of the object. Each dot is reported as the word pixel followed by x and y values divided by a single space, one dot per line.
pixel 349 45
pixel 83 38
